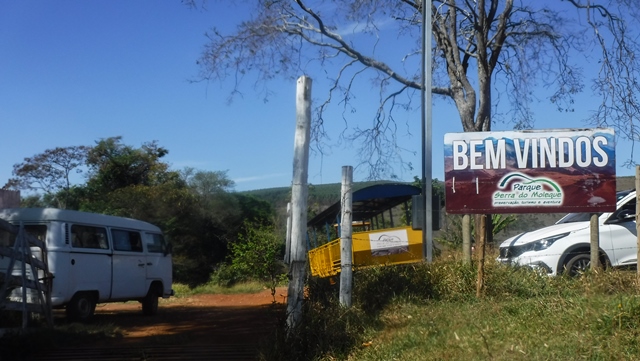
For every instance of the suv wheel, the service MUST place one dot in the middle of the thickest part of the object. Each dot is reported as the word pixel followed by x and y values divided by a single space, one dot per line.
pixel 577 264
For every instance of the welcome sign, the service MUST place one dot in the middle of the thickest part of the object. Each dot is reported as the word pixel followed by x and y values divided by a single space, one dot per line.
pixel 530 171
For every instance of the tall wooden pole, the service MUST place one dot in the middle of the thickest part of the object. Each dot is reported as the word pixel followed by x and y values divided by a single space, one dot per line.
pixel 299 193
pixel 346 231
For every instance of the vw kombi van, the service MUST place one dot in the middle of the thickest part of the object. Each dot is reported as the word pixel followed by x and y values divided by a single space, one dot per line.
pixel 96 258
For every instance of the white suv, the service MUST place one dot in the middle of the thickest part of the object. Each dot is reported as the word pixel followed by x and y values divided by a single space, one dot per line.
pixel 565 247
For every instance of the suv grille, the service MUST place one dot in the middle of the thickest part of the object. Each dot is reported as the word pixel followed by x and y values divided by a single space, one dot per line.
pixel 513 251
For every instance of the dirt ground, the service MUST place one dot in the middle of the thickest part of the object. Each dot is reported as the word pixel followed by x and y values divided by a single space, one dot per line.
pixel 240 318
pixel 194 327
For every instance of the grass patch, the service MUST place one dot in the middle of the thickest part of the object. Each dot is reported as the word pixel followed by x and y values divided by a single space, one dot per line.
pixel 430 312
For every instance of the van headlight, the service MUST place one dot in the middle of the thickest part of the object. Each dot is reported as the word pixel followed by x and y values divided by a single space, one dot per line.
pixel 545 243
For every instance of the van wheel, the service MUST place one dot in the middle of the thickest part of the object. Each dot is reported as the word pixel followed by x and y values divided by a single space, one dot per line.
pixel 150 302
pixel 81 307
pixel 578 264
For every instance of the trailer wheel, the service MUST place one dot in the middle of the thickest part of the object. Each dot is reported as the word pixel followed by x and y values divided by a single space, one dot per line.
pixel 81 307
pixel 150 302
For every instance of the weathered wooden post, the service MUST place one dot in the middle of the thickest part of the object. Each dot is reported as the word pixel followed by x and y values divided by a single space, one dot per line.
pixel 299 192
pixel 346 231
pixel 594 240
pixel 466 239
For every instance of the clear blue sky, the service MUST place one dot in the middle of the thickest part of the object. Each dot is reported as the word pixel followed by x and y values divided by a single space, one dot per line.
pixel 75 71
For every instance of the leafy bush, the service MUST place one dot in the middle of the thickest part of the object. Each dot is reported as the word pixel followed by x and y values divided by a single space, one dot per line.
pixel 254 256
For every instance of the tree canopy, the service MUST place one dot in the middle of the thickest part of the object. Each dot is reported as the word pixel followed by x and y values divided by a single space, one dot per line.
pixel 494 59
pixel 197 210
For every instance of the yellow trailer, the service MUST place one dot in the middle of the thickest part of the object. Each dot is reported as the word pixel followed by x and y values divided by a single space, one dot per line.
pixel 370 248
pixel 380 236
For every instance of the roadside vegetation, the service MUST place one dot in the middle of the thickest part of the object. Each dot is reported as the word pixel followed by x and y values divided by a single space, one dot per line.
pixel 430 312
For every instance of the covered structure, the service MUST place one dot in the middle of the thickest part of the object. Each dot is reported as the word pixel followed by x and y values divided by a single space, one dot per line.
pixel 369 207
pixel 376 239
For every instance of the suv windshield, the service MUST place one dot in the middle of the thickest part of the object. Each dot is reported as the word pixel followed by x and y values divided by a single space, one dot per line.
pixel 585 217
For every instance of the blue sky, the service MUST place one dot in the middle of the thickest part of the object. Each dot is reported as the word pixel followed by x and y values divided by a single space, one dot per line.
pixel 75 71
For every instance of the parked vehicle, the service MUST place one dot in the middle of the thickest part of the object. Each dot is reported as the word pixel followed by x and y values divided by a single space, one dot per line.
pixel 96 258
pixel 565 246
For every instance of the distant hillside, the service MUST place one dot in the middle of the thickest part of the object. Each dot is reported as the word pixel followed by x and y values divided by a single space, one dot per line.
pixel 320 197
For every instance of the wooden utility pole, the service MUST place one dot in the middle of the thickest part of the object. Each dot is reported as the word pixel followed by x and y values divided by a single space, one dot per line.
pixel 346 231
pixel 594 242
pixel 299 194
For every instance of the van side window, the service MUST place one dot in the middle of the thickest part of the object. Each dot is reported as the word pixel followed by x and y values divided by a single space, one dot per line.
pixel 39 231
pixel 155 243
pixel 89 237
pixel 126 240
pixel 7 239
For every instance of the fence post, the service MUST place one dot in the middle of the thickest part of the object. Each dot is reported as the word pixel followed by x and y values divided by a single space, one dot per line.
pixel 594 242
pixel 346 231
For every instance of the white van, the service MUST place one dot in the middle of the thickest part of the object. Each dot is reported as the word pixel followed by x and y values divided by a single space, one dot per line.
pixel 565 246
pixel 96 258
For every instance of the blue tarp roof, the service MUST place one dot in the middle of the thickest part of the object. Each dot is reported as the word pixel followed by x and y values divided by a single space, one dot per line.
pixel 368 202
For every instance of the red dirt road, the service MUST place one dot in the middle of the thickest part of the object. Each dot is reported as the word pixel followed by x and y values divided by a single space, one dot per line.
pixel 199 327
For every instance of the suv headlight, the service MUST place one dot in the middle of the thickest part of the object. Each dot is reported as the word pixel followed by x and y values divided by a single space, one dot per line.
pixel 545 243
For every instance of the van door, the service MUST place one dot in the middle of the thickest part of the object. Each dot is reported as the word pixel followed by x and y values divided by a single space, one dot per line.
pixel 159 266
pixel 90 261
pixel 129 263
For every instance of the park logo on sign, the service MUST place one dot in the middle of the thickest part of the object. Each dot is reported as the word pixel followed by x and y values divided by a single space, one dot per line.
pixel 516 189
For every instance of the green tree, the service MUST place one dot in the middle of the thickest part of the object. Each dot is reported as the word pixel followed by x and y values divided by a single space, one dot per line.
pixel 113 165
pixel 256 255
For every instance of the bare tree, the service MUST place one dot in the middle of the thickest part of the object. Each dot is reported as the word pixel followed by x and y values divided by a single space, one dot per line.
pixel 49 172
pixel 491 58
